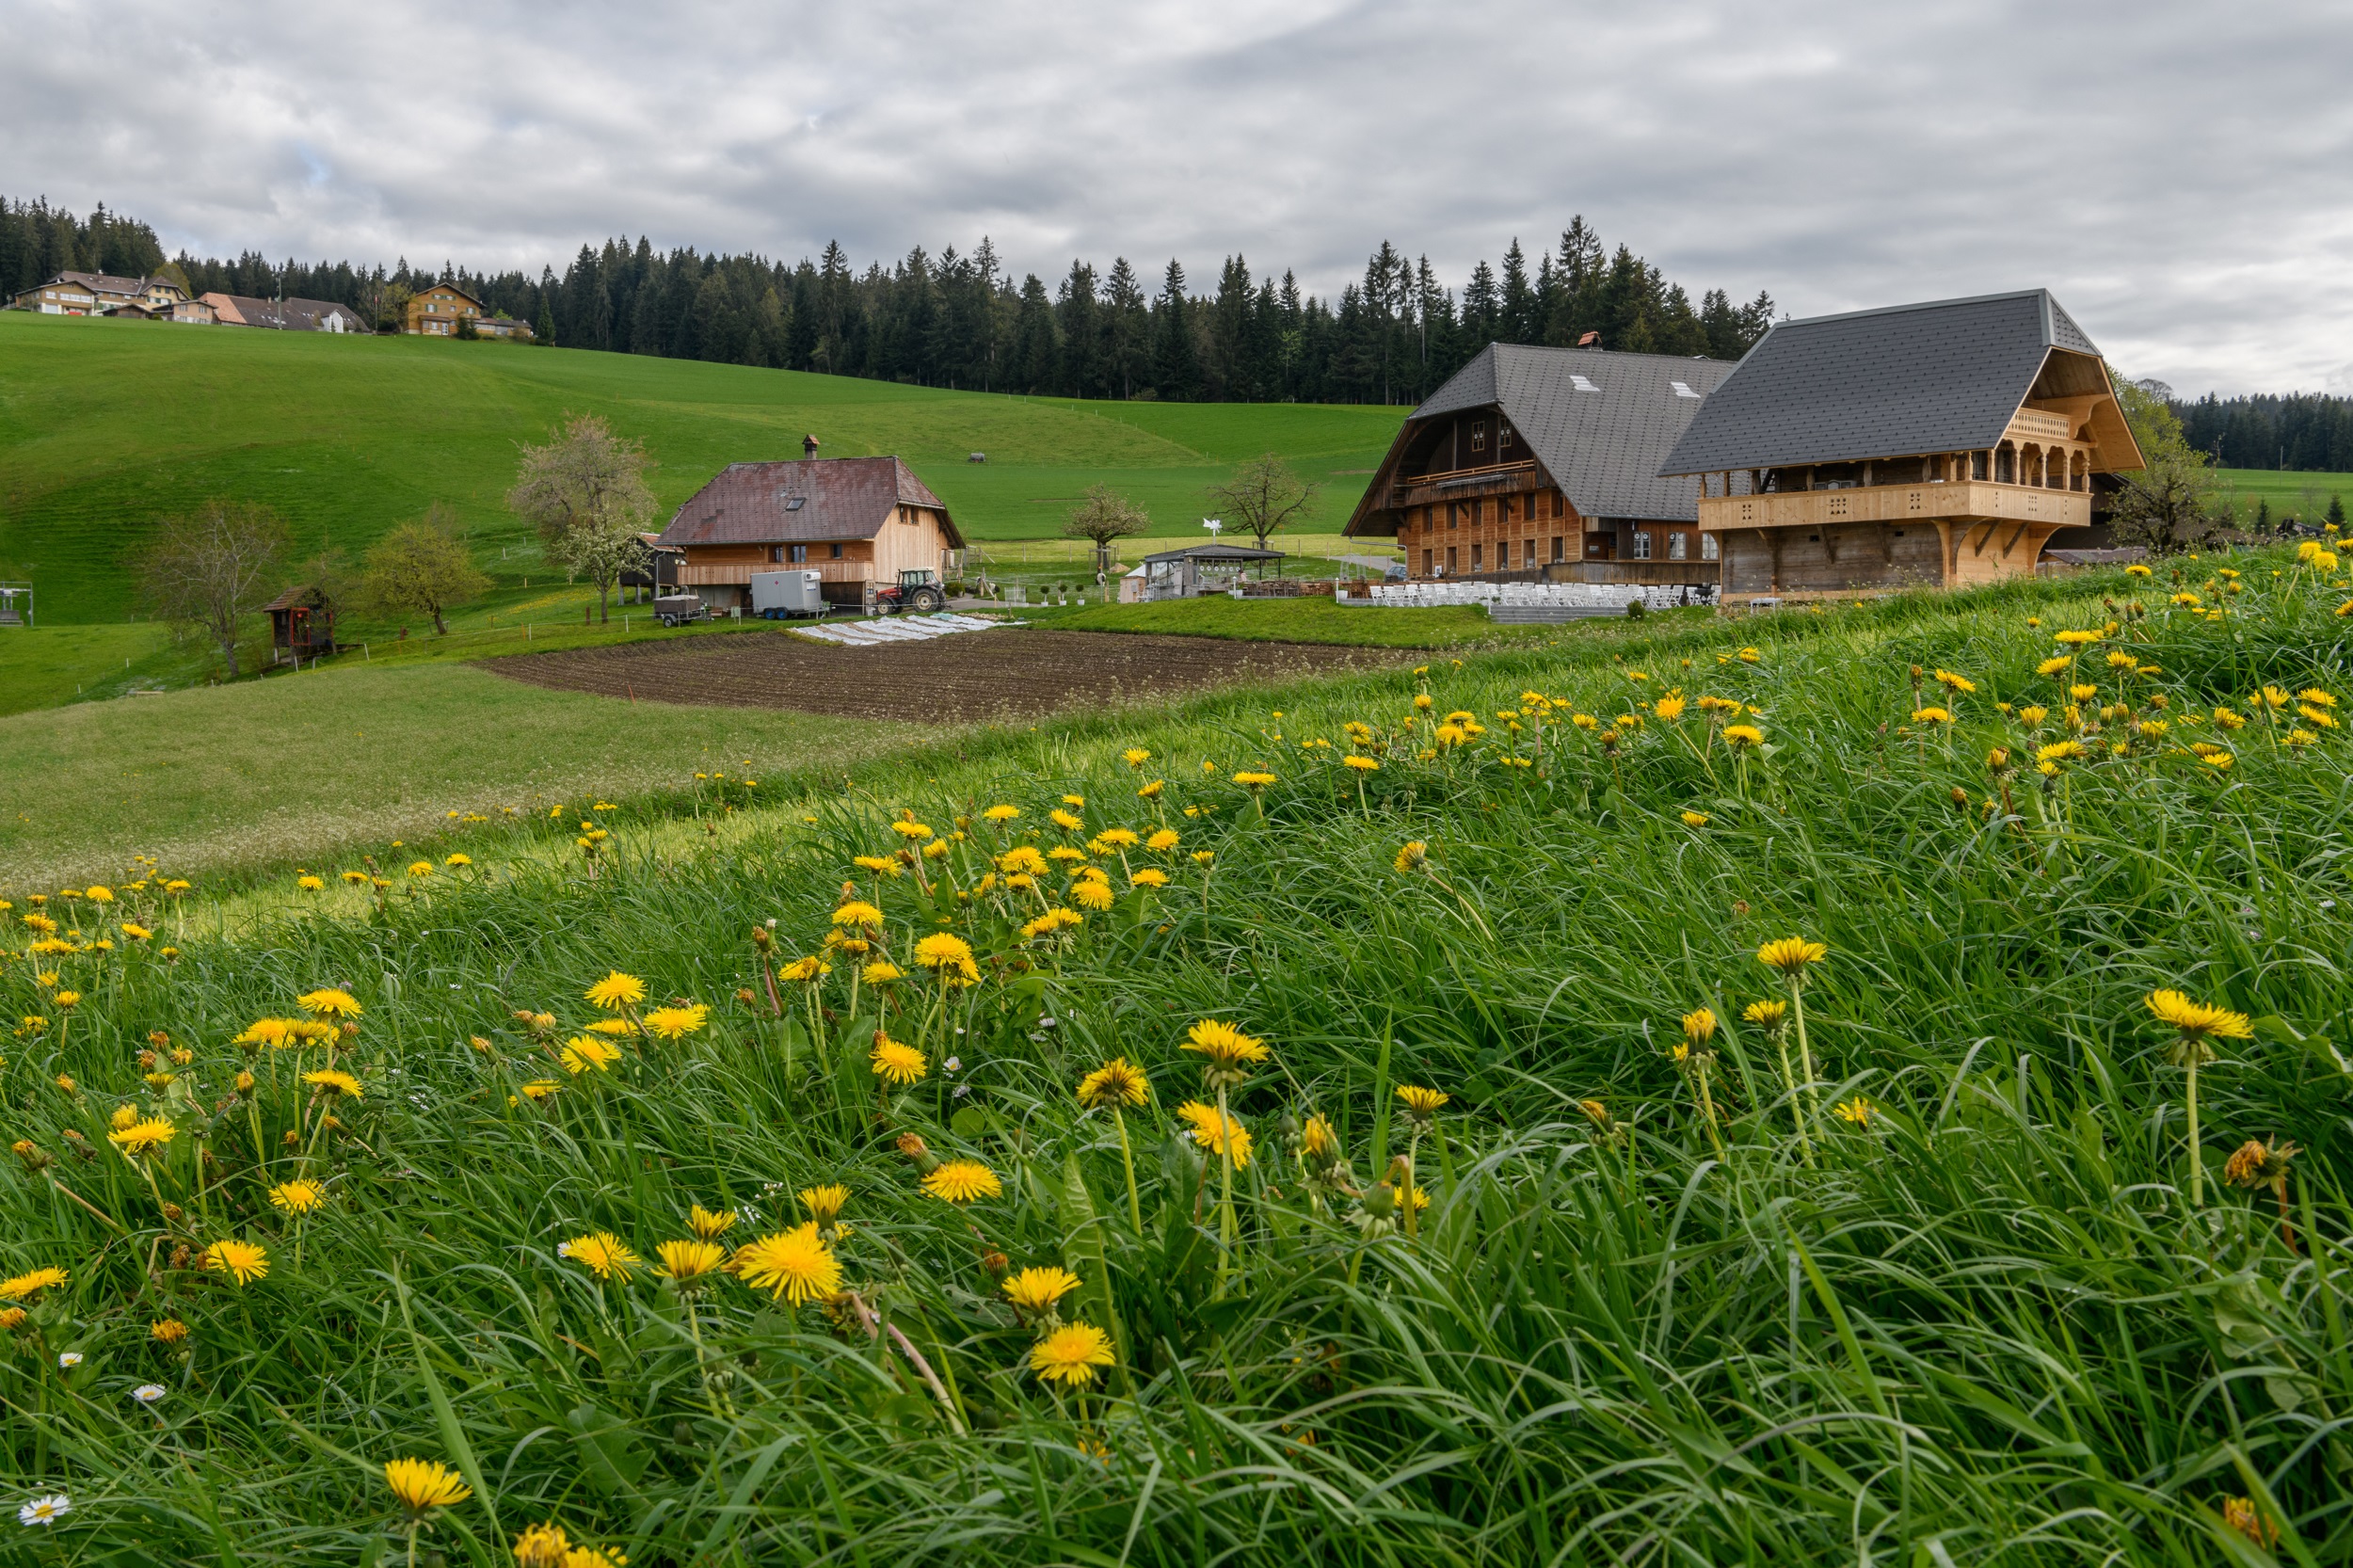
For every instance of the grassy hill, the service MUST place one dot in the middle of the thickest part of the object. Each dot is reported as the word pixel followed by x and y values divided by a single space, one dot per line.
pixel 1934 1244
pixel 105 425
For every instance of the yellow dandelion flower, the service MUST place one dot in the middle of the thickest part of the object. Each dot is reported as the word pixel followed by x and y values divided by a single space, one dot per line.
pixel 962 1181
pixel 585 1053
pixel 1411 858
pixel 421 1484
pixel 1857 1112
pixel 1116 1081
pixel 331 1080
pixel 793 1265
pixel 676 1023
pixel 617 991
pixel 1421 1103
pixel 1767 1014
pixel 602 1254
pixel 1226 1048
pixel 2197 1020
pixel 1222 1135
pixel 825 1203
pixel 897 1063
pixel 1791 954
pixel 1699 1026
pixel 1070 1354
pixel 686 1261
pixel 299 1196
pixel 142 1136
pixel 26 1286
pixel 709 1225
pixel 242 1262
pixel 1038 1289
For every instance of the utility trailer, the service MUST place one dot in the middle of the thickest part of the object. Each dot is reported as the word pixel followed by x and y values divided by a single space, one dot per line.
pixel 781 595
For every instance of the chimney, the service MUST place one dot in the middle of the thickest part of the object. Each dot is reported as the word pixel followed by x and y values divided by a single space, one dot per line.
pixel 808 446
pixel 1591 340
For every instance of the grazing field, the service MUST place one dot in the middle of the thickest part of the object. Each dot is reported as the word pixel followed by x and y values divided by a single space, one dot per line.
pixel 1873 1102
pixel 109 424
pixel 997 676
pixel 2304 494
pixel 301 766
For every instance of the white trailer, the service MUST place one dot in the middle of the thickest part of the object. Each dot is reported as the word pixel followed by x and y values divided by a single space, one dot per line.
pixel 779 594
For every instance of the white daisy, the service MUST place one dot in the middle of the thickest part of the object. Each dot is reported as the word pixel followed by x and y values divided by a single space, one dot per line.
pixel 67 1359
pixel 43 1510
pixel 148 1393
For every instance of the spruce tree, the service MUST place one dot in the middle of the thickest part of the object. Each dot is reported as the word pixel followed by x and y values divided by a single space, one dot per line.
pixel 1176 372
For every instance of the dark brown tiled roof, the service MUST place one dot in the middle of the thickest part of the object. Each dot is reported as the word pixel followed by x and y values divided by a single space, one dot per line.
pixel 839 498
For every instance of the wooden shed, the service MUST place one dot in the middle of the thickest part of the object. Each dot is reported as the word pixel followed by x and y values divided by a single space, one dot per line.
pixel 301 624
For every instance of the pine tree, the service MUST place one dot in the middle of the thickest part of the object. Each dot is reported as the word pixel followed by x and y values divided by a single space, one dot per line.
pixel 1517 320
pixel 1176 372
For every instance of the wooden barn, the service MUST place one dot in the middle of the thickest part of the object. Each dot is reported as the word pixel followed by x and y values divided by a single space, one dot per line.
pixel 861 522
pixel 1939 444
pixel 1542 464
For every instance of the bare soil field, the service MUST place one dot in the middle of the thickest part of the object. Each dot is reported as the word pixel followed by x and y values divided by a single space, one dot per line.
pixel 1014 673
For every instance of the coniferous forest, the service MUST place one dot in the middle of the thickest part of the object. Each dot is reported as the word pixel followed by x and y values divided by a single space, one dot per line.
pixel 963 321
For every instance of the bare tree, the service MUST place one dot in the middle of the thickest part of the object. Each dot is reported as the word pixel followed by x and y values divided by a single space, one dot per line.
pixel 212 568
pixel 1105 515
pixel 586 491
pixel 2173 502
pixel 422 567
pixel 1264 496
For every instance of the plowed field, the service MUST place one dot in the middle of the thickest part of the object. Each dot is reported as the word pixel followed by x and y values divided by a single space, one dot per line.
pixel 1014 673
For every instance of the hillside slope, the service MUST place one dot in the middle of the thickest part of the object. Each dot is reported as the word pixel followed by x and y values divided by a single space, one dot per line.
pixel 105 425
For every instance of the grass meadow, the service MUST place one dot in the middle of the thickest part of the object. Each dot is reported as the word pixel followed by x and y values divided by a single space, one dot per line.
pixel 1955 1250
pixel 109 425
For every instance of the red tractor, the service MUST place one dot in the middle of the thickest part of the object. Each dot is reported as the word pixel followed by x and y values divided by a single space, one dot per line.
pixel 917 592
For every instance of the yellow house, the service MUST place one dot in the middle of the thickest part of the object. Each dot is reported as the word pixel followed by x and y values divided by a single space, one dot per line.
pixel 859 522
pixel 436 312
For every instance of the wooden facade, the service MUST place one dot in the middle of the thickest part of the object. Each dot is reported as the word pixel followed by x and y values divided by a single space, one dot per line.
pixel 1860 495
pixel 858 521
pixel 1534 463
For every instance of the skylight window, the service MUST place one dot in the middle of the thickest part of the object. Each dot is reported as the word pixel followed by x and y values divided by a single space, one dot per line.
pixel 1682 390
pixel 1581 384
pixel 795 502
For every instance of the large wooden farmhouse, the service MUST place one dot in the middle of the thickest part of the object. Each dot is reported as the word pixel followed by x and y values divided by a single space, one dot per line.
pixel 858 520
pixel 1543 463
pixel 1941 444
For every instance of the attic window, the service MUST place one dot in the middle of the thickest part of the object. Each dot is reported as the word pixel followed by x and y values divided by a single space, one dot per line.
pixel 1479 435
pixel 1581 384
pixel 795 504
pixel 1682 390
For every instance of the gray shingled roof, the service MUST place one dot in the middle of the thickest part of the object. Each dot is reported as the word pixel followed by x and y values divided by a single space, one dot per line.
pixel 1601 441
pixel 1941 377
pixel 840 498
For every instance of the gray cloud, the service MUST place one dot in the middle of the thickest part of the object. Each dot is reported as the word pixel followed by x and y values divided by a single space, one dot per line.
pixel 2179 173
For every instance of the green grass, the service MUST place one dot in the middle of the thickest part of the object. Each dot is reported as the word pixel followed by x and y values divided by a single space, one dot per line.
pixel 1312 619
pixel 2305 494
pixel 1988 1326
pixel 107 425
pixel 306 766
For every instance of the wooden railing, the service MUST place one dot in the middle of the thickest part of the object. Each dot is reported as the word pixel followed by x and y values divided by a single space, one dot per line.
pixel 2042 424
pixel 1461 476
pixel 1924 504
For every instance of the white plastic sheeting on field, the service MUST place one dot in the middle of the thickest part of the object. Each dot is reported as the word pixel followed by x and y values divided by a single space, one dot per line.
pixel 891 628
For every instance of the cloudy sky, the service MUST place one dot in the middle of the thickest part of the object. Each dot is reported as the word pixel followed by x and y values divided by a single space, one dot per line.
pixel 2180 174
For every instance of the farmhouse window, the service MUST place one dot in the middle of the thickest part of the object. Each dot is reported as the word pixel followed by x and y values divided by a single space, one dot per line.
pixel 799 552
pixel 1479 435
pixel 1503 436
pixel 1450 559
pixel 1557 544
pixel 836 552
pixel 1425 563
pixel 1558 501
pixel 1478 556
pixel 776 553
pixel 1676 545
pixel 1641 545
pixel 1528 553
pixel 1503 509
pixel 1709 549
